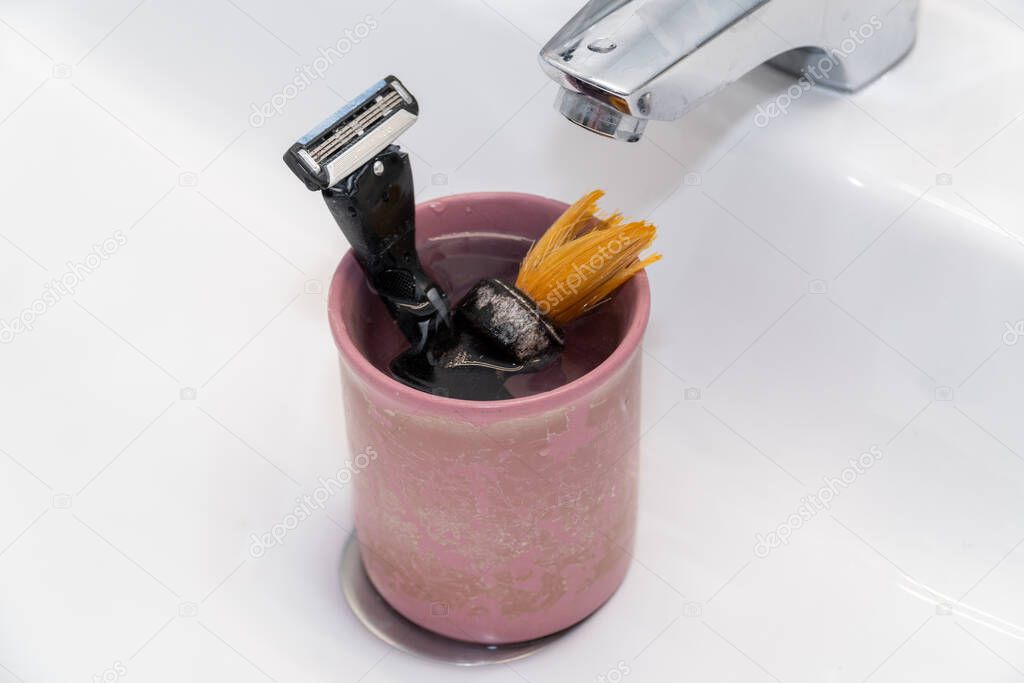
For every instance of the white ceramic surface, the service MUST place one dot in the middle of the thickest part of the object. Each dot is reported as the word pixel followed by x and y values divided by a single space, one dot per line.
pixel 849 276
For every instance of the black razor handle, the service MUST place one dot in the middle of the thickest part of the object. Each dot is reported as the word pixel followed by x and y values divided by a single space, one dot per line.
pixel 375 209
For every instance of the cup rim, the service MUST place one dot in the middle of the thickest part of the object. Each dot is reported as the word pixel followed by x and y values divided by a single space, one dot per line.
pixel 348 275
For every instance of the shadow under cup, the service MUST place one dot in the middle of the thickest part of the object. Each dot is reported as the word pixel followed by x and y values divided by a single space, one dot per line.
pixel 493 521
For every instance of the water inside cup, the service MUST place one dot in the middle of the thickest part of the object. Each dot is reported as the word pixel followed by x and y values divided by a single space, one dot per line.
pixel 457 262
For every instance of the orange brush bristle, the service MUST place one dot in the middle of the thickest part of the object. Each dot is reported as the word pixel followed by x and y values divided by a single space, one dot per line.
pixel 583 258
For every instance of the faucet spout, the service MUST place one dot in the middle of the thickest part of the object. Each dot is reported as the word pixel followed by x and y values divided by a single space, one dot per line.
pixel 621 63
pixel 599 117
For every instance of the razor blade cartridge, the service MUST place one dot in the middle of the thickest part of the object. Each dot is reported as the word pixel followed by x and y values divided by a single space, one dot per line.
pixel 353 135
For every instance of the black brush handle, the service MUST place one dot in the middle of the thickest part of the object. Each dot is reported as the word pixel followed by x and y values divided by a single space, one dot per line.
pixel 375 209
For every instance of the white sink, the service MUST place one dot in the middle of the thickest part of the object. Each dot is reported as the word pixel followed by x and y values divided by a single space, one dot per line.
pixel 848 277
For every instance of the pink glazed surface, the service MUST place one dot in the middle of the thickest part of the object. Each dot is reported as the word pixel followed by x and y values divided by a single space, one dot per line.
pixel 503 521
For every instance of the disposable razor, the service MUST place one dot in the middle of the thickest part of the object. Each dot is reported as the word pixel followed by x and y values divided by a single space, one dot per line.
pixel 367 183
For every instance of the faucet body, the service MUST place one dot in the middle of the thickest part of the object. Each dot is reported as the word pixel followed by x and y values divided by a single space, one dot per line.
pixel 621 63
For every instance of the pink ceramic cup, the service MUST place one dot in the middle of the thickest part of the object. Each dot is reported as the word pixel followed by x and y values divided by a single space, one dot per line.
pixel 496 521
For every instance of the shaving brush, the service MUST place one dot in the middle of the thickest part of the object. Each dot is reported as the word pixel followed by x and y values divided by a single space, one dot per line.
pixel 501 329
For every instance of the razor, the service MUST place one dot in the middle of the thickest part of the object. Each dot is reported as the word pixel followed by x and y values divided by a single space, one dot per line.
pixel 367 183
pixel 497 331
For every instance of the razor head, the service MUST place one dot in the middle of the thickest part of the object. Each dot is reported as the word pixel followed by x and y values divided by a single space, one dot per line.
pixel 353 135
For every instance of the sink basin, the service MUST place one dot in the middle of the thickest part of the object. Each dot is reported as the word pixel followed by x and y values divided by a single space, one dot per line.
pixel 844 277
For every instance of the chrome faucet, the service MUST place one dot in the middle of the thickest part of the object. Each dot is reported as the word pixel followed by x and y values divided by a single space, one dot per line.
pixel 621 63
